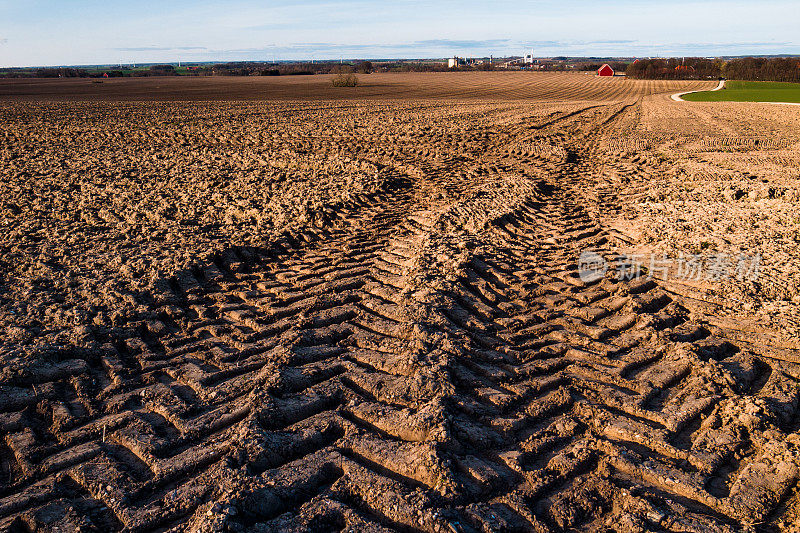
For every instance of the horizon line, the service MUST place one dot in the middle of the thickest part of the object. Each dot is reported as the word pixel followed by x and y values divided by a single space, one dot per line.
pixel 385 59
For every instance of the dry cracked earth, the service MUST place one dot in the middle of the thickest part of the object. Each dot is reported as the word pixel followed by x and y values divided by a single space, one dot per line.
pixel 366 315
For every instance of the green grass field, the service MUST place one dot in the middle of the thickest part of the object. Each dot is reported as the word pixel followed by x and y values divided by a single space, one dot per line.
pixel 750 91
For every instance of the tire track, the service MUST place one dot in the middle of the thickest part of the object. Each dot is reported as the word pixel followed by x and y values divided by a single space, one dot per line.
pixel 428 360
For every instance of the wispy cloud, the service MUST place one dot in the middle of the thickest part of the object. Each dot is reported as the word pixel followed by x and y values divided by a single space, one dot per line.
pixel 528 44
pixel 440 45
pixel 444 47
pixel 300 48
pixel 160 48
pixel 574 43
pixel 456 43
pixel 632 47
pixel 3 41
pixel 708 48
pixel 742 44
pixel 612 41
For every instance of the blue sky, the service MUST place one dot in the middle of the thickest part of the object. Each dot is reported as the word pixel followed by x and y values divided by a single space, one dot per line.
pixel 76 32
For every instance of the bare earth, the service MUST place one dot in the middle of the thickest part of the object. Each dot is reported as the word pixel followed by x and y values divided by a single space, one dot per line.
pixel 266 304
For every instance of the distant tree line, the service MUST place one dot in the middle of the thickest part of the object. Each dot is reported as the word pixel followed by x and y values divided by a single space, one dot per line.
pixel 698 68
pixel 280 69
pixel 69 72
pixel 156 70
pixel 413 66
pixel 618 66
pixel 219 69
pixel 49 73
pixel 688 68
pixel 763 69
pixel 748 68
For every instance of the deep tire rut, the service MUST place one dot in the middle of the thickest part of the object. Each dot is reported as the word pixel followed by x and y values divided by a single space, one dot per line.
pixel 428 359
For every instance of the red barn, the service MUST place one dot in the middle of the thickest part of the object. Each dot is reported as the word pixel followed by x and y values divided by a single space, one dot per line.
pixel 605 70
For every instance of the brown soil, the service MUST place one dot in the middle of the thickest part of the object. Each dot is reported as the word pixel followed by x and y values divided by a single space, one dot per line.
pixel 366 314
pixel 462 85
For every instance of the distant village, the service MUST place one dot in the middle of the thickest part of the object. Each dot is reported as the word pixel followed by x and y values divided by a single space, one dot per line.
pixel 530 62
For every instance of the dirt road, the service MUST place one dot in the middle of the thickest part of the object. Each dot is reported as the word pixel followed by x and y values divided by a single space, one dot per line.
pixel 678 96
pixel 419 356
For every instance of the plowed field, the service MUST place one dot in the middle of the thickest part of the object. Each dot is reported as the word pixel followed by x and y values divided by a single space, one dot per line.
pixel 363 312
